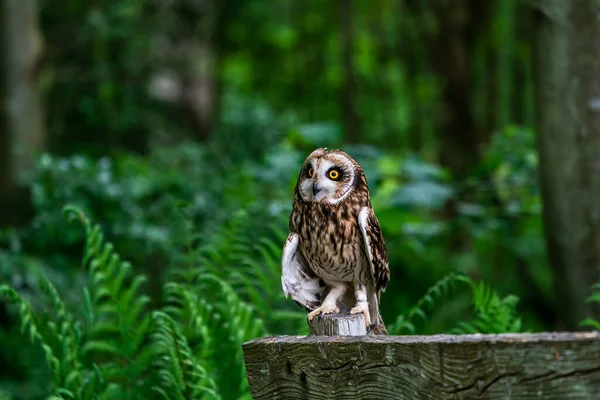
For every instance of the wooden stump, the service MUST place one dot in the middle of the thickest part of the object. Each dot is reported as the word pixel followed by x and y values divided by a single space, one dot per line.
pixel 338 324
pixel 510 366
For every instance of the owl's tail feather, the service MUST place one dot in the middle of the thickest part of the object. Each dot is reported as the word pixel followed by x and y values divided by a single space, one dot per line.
pixel 377 327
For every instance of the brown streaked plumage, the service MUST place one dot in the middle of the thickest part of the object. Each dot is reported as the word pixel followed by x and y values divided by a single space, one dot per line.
pixel 335 259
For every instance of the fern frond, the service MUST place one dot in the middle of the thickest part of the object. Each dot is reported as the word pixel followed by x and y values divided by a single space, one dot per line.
pixel 115 312
pixel 193 315
pixel 67 334
pixel 406 323
pixel 590 322
pixel 217 322
pixel 30 324
pixel 593 298
pixel 493 313
pixel 181 376
pixel 249 263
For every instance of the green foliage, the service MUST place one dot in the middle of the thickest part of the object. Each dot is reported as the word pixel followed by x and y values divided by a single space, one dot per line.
pixel 216 322
pixel 248 257
pixel 593 298
pixel 405 322
pixel 492 313
pixel 116 344
pixel 181 376
pixel 114 309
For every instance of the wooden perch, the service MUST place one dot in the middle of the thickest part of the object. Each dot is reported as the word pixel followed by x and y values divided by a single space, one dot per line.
pixel 509 366
pixel 338 324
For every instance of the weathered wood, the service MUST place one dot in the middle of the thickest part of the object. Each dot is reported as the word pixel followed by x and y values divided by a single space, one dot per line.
pixel 338 324
pixel 509 366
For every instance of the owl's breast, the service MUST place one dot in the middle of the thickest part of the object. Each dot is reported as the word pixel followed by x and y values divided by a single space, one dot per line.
pixel 331 244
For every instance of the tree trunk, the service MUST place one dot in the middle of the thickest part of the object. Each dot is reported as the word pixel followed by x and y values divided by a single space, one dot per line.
pixel 451 57
pixel 21 119
pixel 348 92
pixel 190 80
pixel 567 68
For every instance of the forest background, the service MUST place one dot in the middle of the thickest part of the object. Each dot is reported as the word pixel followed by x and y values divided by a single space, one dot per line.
pixel 179 127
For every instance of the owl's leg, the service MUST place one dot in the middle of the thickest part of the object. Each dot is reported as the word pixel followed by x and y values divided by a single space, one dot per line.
pixel 362 305
pixel 329 305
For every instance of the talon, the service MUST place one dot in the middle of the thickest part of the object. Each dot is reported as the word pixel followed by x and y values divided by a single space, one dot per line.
pixel 362 307
pixel 324 309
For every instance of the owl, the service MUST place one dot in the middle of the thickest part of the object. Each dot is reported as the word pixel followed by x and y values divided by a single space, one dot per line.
pixel 334 258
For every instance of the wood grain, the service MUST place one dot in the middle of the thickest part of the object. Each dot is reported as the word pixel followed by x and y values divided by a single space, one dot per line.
pixel 509 366
pixel 338 324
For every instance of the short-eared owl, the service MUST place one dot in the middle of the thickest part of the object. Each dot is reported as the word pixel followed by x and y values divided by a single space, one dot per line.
pixel 335 256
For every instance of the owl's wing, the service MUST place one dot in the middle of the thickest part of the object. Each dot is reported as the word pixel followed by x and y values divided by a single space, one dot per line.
pixel 374 247
pixel 297 279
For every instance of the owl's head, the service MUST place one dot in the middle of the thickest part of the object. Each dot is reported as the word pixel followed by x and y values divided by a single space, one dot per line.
pixel 329 176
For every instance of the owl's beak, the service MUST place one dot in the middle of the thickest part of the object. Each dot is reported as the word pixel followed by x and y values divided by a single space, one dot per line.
pixel 316 189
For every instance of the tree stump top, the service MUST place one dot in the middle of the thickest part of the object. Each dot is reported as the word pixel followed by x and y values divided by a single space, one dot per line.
pixel 507 366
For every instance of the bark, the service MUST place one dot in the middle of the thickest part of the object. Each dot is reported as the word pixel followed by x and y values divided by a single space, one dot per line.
pixel 348 92
pixel 567 68
pixel 511 366
pixel 21 118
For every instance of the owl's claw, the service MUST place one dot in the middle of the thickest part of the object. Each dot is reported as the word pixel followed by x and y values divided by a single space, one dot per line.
pixel 324 309
pixel 362 307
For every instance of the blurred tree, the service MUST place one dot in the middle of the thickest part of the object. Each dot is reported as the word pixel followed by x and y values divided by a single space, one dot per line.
pixel 568 124
pixel 21 118
pixel 192 54
pixel 460 22
pixel 99 62
pixel 349 116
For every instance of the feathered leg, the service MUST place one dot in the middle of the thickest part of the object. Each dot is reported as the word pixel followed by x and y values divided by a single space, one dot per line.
pixel 362 305
pixel 329 305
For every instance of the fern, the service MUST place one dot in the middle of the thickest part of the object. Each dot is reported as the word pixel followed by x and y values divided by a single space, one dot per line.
pixel 31 324
pixel 181 376
pixel 60 339
pixel 115 310
pixel 217 322
pixel 67 334
pixel 493 314
pixel 594 298
pixel 119 345
pixel 406 322
pixel 251 265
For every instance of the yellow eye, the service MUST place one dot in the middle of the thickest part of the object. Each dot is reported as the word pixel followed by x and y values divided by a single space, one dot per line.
pixel 310 172
pixel 334 174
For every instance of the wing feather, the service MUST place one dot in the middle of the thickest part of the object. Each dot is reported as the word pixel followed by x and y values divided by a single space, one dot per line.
pixel 297 279
pixel 374 247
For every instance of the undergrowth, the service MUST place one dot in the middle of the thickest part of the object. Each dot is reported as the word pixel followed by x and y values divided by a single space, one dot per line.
pixel 593 298
pixel 491 312
pixel 115 345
